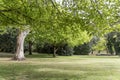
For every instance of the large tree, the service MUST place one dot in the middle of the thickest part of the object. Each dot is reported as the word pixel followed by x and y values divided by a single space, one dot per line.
pixel 71 21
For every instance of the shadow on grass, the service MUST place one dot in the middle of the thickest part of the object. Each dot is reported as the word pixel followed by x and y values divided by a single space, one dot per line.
pixel 44 55
pixel 39 56
pixel 35 55
pixel 6 55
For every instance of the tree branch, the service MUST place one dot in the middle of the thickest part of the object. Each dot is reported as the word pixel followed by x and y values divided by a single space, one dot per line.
pixel 55 6
pixel 16 10
pixel 96 8
pixel 10 19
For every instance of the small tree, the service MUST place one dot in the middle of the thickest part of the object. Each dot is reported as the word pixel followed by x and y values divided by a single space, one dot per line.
pixel 101 45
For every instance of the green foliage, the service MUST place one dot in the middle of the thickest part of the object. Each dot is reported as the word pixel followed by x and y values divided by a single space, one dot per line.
pixel 86 48
pixel 54 22
pixel 83 49
pixel 72 21
pixel 8 41
pixel 113 42
pixel 38 47
pixel 101 45
pixel 65 50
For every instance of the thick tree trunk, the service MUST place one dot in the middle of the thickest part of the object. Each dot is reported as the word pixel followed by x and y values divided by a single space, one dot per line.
pixel 19 55
pixel 30 47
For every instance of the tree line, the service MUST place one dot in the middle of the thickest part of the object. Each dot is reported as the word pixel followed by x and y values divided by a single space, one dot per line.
pixel 111 45
pixel 70 21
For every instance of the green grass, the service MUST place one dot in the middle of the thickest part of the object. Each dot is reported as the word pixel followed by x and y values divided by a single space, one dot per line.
pixel 44 67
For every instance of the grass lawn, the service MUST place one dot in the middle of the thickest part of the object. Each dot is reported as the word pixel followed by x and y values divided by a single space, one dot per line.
pixel 61 68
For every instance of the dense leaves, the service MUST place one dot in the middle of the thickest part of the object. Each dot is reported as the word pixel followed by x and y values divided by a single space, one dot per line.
pixel 57 22
pixel 113 43
pixel 69 21
pixel 84 49
pixel 8 41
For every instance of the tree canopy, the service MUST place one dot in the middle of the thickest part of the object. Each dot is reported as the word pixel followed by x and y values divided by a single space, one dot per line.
pixel 70 21
pixel 71 16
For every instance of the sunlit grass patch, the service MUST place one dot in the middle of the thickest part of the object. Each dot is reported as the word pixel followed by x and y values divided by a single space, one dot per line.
pixel 61 68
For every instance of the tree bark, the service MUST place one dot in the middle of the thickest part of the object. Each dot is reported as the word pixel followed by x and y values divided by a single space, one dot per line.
pixel 19 55
pixel 30 47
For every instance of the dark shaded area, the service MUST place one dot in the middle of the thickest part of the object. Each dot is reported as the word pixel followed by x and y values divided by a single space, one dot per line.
pixel 113 43
pixel 62 49
pixel 84 49
pixel 8 44
pixel 8 41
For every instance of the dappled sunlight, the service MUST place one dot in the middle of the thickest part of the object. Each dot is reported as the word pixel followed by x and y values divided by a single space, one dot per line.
pixel 59 39
pixel 56 70
pixel 1 78
pixel 63 67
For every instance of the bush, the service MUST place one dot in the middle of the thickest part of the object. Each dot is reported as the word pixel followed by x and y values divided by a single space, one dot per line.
pixel 8 41
pixel 65 50
pixel 44 48
pixel 113 43
pixel 84 49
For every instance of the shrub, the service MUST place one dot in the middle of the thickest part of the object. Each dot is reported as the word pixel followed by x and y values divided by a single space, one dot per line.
pixel 84 49
pixel 8 41
pixel 65 50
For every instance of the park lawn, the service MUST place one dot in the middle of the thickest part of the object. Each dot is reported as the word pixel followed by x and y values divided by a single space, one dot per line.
pixel 61 68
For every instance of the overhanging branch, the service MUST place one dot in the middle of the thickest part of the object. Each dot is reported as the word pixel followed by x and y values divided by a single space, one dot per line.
pixel 16 10
pixel 55 6
pixel 11 19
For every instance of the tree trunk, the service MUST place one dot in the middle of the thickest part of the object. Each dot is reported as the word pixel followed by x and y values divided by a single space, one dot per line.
pixel 54 53
pixel 30 47
pixel 19 55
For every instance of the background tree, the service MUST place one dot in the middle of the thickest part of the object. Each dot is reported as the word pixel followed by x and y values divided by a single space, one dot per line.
pixel 100 46
pixel 113 42
pixel 8 41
